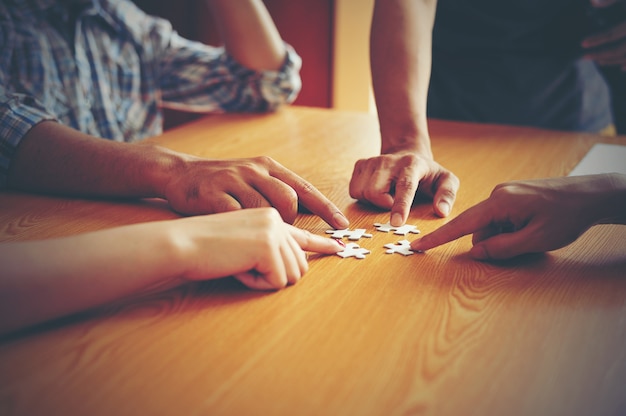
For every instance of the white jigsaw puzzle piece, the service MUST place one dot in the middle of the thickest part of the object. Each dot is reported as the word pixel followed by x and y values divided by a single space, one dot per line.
pixel 402 247
pixel 401 230
pixel 353 250
pixel 353 235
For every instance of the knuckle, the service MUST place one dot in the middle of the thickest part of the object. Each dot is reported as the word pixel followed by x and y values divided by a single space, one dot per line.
pixel 269 217
pixel 264 160
pixel 374 196
pixel 246 169
pixel 290 195
pixel 306 188
pixel 408 159
pixel 402 205
pixel 222 205
pixel 406 182
pixel 307 238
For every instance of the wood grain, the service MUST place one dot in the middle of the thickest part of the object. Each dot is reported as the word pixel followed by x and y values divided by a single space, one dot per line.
pixel 435 334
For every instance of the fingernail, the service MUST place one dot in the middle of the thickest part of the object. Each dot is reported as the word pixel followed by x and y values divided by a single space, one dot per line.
pixel 341 220
pixel 415 246
pixel 341 243
pixel 396 220
pixel 444 208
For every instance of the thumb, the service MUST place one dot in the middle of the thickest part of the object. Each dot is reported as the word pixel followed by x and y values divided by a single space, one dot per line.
pixel 444 197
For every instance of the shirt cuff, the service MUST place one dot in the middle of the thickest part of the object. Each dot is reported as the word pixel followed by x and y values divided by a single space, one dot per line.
pixel 276 87
pixel 17 117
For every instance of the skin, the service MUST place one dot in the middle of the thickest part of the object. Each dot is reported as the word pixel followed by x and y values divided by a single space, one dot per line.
pixel 43 280
pixel 55 159
pixel 527 216
pixel 607 48
pixel 249 33
pixel 401 32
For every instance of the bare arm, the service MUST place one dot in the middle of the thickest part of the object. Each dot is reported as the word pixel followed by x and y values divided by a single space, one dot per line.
pixel 53 158
pixel 249 33
pixel 401 50
pixel 56 159
pixel 42 280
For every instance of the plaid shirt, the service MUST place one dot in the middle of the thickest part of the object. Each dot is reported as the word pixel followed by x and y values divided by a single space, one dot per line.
pixel 106 68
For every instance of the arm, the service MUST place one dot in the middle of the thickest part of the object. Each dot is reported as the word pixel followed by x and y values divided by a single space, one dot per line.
pixel 249 33
pixel 528 216
pixel 52 158
pixel 608 46
pixel 400 49
pixel 42 280
pixel 254 71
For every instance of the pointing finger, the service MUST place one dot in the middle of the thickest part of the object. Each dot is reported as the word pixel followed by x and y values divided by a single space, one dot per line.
pixel 315 243
pixel 468 222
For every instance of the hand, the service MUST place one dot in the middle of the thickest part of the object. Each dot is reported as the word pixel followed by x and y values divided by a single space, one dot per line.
pixel 608 47
pixel 529 216
pixel 254 245
pixel 212 186
pixel 391 181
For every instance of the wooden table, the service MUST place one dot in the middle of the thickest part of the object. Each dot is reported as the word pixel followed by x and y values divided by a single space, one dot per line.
pixel 434 333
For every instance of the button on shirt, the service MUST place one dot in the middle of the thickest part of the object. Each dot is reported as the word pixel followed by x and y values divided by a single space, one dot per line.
pixel 106 68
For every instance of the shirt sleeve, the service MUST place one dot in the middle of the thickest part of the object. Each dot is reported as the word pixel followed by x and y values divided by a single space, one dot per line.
pixel 194 76
pixel 206 78
pixel 18 112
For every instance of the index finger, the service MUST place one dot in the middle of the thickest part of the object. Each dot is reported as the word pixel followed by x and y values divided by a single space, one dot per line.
pixel 315 243
pixel 468 222
pixel 406 186
pixel 312 199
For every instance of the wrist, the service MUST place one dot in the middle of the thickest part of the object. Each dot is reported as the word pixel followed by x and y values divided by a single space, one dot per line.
pixel 408 136
pixel 410 144
pixel 161 165
pixel 170 249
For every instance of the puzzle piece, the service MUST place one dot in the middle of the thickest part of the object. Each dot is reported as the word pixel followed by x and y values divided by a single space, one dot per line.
pixel 401 230
pixel 403 247
pixel 353 250
pixel 351 234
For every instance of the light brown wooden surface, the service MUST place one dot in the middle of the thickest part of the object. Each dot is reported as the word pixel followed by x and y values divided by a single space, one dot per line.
pixel 435 333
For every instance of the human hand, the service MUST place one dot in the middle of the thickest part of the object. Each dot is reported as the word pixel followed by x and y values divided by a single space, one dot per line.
pixel 254 245
pixel 205 186
pixel 527 216
pixel 391 181
pixel 608 46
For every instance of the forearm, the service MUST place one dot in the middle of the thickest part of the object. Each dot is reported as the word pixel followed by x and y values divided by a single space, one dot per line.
pixel 249 33
pixel 400 50
pixel 47 279
pixel 53 158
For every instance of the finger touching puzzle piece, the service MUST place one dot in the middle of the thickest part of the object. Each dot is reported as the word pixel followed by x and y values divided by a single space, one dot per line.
pixel 401 230
pixel 402 247
pixel 351 234
pixel 353 250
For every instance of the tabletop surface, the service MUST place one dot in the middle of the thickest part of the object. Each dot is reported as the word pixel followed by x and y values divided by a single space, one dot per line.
pixel 434 333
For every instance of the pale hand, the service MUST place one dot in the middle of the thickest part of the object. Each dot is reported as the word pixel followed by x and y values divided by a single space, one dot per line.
pixel 254 245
